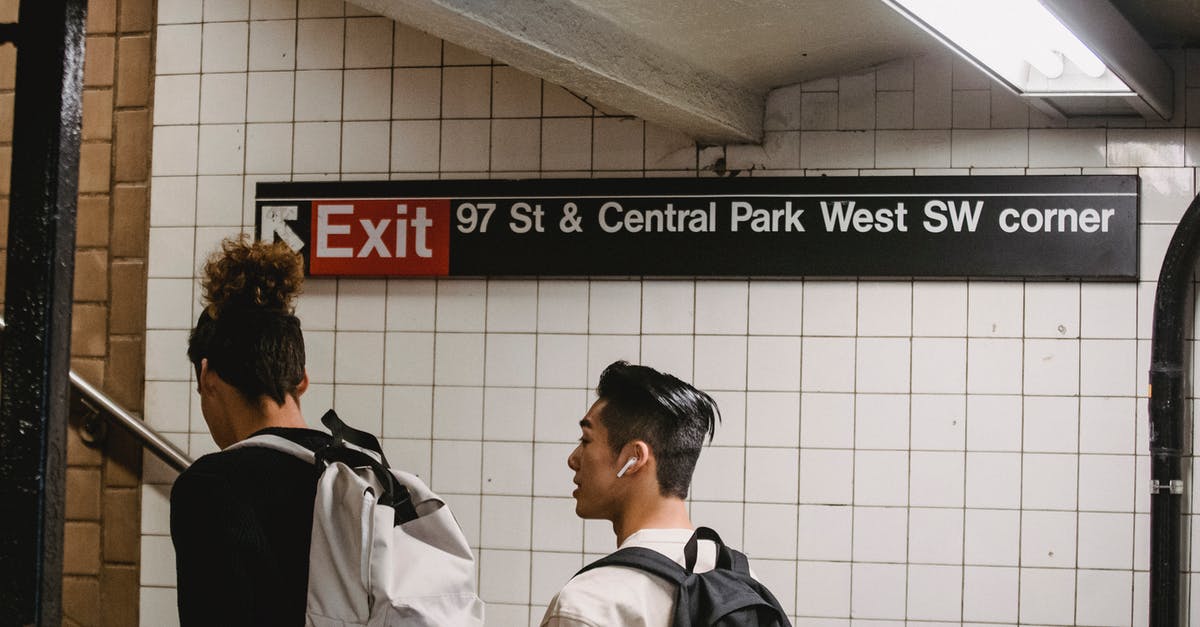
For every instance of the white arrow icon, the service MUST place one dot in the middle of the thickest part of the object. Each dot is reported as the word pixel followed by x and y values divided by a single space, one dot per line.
pixel 274 223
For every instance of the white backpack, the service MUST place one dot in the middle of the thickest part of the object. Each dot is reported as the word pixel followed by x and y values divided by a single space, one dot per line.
pixel 386 551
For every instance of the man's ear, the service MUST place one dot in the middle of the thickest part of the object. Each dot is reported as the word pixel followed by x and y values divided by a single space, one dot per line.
pixel 302 387
pixel 202 374
pixel 635 449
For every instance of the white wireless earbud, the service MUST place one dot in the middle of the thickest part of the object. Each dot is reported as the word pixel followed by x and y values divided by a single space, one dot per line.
pixel 629 464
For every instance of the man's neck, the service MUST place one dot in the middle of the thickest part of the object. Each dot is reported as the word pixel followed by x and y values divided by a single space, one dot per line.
pixel 663 513
pixel 252 419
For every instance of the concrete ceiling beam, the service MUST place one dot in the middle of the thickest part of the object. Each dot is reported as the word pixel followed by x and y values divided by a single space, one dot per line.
pixel 570 47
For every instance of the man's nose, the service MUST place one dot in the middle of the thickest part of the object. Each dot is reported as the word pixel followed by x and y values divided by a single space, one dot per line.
pixel 572 462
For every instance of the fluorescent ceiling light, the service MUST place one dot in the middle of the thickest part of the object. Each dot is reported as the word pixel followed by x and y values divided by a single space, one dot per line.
pixel 1018 42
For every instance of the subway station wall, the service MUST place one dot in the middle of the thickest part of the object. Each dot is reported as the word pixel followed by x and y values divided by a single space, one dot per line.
pixel 926 451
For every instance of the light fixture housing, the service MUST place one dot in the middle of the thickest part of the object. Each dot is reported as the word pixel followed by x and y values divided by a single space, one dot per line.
pixel 1068 57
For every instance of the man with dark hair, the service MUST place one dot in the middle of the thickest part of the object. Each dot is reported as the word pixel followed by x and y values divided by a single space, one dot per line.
pixel 633 467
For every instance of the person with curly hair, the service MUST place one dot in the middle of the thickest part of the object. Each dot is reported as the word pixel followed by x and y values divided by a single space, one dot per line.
pixel 241 519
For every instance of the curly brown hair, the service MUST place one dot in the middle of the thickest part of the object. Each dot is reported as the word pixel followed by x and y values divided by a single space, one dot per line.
pixel 247 273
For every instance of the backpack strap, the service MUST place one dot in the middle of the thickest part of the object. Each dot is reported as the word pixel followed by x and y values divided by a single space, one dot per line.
pixel 643 559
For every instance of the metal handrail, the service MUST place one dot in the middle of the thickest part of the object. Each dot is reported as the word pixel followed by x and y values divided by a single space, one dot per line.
pixel 160 446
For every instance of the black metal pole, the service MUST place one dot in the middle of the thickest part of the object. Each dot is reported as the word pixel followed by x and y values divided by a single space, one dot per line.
pixel 1168 390
pixel 35 357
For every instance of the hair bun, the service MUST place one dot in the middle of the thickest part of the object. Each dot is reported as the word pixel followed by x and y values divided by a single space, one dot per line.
pixel 246 274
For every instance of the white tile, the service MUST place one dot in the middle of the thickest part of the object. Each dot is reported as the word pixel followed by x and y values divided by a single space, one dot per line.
pixel 318 95
pixel 775 307
pixel 885 308
pixel 176 99
pixel 778 575
pixel 557 414
pixel 829 364
pixel 818 111
pixel 269 96
pixel 1105 540
pixel 669 149
pixel 515 93
pixel 1051 424
pixel 1109 368
pixel 458 55
pixel 508 413
pixel 939 308
pixel 318 355
pixel 832 308
pixel 512 306
pixel 972 107
pixel 158 607
pixel 225 10
pixel 218 200
pixel 1107 425
pixel 1166 193
pixel 936 479
pixel 935 592
pixel 411 305
pixel 825 533
pixel 221 149
pixel 823 589
pixel 224 47
pixel 770 530
pixel 990 594
pixel 170 254
pixel 504 576
pixel 272 9
pixel 826 477
pixel 167 303
pixel 732 428
pixel 415 48
pixel 1051 367
pixel 510 359
pixel 672 354
pixel 992 537
pixel 881 421
pixel 415 455
pixel 416 93
pixel 319 43
pixel 772 418
pixel 166 405
pixel 1075 147
pixel 668 307
pixel 1052 310
pixel 913 149
pixel 993 423
pixel 938 422
pixel 516 145
pixel 881 478
pixel 458 412
pixel 1106 483
pixel 721 307
pixel 935 536
pixel 365 147
pixel 466 92
pixel 272 45
pixel 555 525
pixel 562 361
pixel 1048 539
pixel 614 306
pixel 879 591
pixel 837 149
pixel 178 49
pixel 827 420
pixel 317 147
pixel 368 42
pixel 617 143
pixel 1103 598
pixel 558 102
pixel 173 201
pixel 603 350
pixel 367 94
pixel 1145 147
pixel 465 145
pixel 720 362
pixel 551 476
pixel 361 406
pixel 550 570
pixel 508 469
pixel 881 535
pixel 932 105
pixel 456 466
pixel 180 11
pixel 1109 310
pixel 894 110
pixel 268 148
pixel 771 475
pixel 562 306
pixel 993 480
pixel 458 359
pixel 158 561
pixel 560 139
pixel 775 363
pixel 407 411
pixel 460 305
pixel 782 109
pixel 1049 481
pixel 939 365
pixel 992 148
pixel 994 366
pixel 358 357
pixel 175 149
pixel 883 365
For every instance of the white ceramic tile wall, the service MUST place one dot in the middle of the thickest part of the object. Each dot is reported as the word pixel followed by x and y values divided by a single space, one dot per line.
pixel 925 451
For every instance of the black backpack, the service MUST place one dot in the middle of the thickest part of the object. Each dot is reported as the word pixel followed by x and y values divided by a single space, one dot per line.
pixel 726 596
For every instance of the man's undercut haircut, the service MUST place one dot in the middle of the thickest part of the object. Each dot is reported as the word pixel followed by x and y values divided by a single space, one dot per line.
pixel 671 416
pixel 247 330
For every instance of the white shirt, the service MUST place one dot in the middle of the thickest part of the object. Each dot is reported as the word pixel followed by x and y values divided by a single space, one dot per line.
pixel 613 596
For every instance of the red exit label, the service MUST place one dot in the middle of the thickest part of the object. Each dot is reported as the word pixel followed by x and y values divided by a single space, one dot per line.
pixel 396 236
